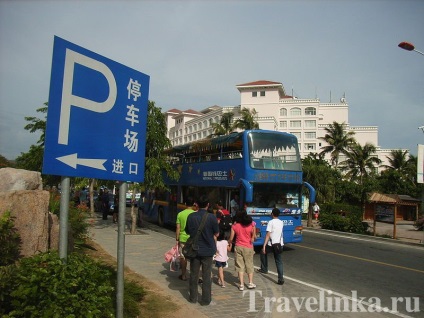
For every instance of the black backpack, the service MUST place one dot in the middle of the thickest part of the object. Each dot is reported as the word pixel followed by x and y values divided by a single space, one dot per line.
pixel 225 223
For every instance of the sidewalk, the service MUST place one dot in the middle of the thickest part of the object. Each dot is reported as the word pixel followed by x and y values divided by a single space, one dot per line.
pixel 144 254
pixel 405 231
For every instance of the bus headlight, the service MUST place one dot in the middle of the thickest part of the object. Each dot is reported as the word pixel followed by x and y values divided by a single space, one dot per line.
pixel 298 230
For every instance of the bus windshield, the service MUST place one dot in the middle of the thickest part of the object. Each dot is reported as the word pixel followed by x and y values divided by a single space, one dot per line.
pixel 274 151
pixel 268 195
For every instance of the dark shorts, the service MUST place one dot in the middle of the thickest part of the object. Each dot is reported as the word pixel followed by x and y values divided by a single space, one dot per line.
pixel 220 264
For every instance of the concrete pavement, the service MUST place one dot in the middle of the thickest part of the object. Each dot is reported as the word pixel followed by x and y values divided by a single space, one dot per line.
pixel 144 254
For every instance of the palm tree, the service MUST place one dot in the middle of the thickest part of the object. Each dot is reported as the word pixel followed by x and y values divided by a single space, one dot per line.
pixel 225 125
pixel 398 160
pixel 338 141
pixel 361 162
pixel 247 120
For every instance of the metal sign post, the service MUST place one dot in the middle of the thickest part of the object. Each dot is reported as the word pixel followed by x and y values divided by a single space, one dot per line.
pixel 121 251
pixel 63 218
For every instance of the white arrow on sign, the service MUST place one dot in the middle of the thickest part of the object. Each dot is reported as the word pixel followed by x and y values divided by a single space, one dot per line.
pixel 72 161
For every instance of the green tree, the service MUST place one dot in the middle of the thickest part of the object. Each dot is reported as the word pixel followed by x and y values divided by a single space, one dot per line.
pixel 338 141
pixel 33 159
pixel 225 125
pixel 361 162
pixel 4 162
pixel 156 142
pixel 37 124
pixel 398 160
pixel 318 173
pixel 247 120
pixel 400 177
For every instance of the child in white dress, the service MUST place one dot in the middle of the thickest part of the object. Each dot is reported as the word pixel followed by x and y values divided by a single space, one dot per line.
pixel 221 257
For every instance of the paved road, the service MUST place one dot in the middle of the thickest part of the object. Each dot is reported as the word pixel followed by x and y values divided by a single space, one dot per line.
pixel 305 293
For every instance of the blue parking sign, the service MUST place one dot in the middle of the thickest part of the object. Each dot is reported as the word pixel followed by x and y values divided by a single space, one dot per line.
pixel 97 116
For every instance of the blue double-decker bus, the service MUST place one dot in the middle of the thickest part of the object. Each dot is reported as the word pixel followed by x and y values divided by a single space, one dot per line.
pixel 261 168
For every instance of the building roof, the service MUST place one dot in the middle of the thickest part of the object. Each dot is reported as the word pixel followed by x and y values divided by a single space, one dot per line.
pixel 400 199
pixel 173 110
pixel 260 83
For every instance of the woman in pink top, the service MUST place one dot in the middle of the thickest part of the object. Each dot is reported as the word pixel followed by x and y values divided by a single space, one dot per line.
pixel 244 232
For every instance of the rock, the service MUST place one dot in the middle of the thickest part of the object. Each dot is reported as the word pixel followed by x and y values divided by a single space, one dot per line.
pixel 30 210
pixel 19 179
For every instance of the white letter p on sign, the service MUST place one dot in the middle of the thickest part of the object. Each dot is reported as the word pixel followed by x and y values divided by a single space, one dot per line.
pixel 69 100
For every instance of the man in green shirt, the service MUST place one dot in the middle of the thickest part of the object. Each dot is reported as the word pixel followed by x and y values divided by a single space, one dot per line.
pixel 182 236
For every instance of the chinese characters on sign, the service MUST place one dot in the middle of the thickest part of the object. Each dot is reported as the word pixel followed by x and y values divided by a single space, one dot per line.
pixel 130 136
pixel 215 175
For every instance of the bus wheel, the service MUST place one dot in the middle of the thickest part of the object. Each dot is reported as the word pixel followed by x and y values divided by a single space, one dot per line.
pixel 160 216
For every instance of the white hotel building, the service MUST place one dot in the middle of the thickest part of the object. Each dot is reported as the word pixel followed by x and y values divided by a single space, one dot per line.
pixel 304 118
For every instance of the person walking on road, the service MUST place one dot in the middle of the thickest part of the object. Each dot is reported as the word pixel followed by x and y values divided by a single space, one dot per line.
pixel 181 234
pixel 244 232
pixel 274 234
pixel 207 249
pixel 315 209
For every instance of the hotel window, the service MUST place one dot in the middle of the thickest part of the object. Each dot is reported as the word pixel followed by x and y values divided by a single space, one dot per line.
pixel 195 127
pixel 310 111
pixel 297 134
pixel 200 126
pixel 310 123
pixel 254 94
pixel 310 135
pixel 295 112
pixel 283 124
pixel 199 136
pixel 181 132
pixel 204 134
pixel 205 123
pixel 283 112
pixel 185 130
pixel 190 128
pixel 210 121
pixel 262 93
pixel 176 133
pixel 295 123
pixel 309 146
pixel 189 138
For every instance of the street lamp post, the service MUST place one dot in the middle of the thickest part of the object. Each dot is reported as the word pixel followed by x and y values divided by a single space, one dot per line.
pixel 409 47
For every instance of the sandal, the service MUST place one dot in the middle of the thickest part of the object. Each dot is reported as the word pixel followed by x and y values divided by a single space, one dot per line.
pixel 241 288
pixel 223 286
pixel 251 286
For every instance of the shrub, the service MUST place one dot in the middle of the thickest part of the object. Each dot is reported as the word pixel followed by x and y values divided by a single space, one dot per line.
pixel 77 217
pixel 46 287
pixel 7 285
pixel 351 222
pixel 10 241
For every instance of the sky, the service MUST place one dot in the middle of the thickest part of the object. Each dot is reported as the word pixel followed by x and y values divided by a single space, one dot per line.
pixel 196 52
